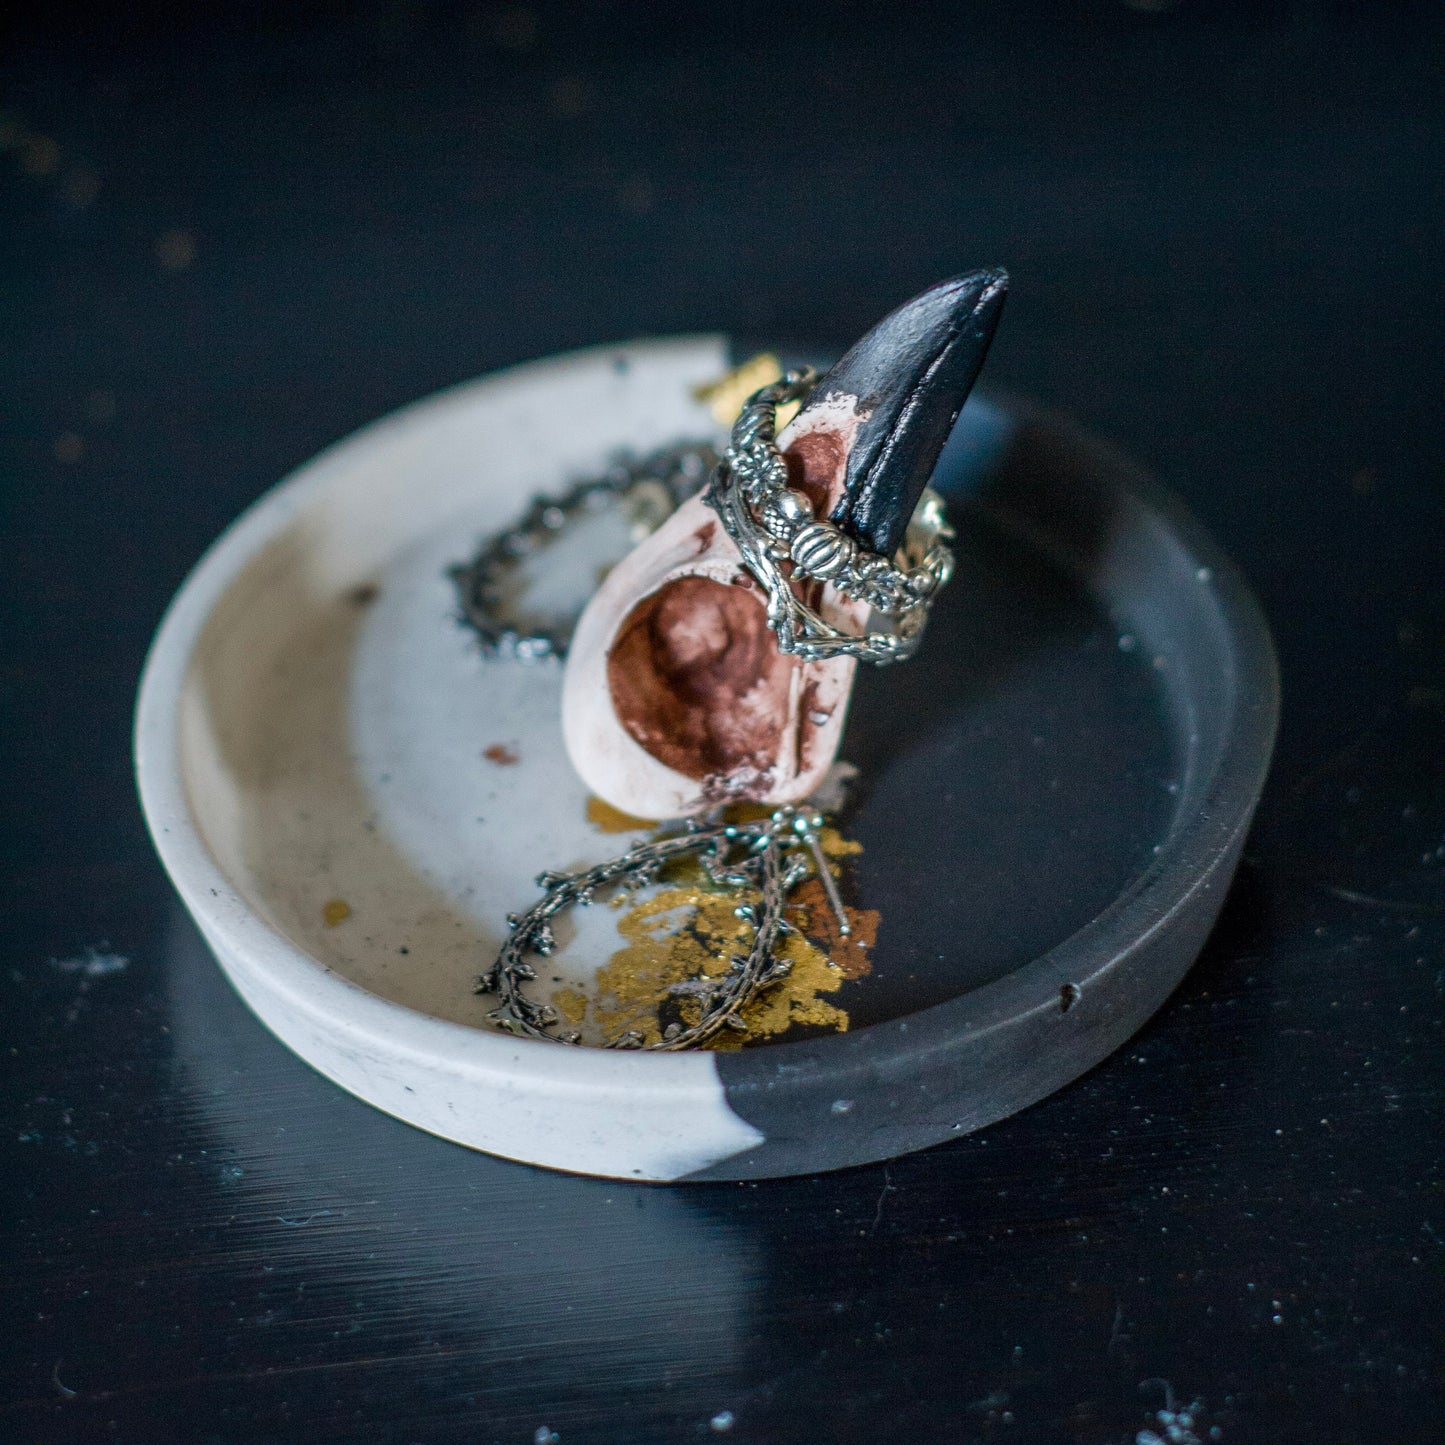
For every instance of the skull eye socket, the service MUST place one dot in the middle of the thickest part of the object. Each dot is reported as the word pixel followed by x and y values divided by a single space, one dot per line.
pixel 698 682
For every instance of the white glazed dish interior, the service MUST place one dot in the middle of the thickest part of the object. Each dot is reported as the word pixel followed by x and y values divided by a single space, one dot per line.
pixel 316 729
pixel 313 727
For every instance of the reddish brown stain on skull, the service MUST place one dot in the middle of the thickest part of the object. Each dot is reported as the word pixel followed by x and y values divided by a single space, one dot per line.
pixel 816 462
pixel 704 535
pixel 811 718
pixel 698 682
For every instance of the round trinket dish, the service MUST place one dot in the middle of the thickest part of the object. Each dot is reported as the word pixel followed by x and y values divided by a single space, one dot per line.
pixel 1036 826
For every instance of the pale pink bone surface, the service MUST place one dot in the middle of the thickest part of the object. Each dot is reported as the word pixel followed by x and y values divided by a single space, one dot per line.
pixel 676 698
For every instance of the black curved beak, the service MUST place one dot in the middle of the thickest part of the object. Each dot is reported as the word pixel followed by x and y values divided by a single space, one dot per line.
pixel 911 375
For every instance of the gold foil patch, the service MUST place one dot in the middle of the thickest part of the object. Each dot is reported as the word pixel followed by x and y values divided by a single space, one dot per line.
pixel 688 928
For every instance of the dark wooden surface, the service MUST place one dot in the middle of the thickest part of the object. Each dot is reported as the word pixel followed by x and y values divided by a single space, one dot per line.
pixel 231 235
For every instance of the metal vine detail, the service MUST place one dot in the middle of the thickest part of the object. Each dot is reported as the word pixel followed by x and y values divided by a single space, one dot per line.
pixel 765 856
pixel 648 489
pixel 774 528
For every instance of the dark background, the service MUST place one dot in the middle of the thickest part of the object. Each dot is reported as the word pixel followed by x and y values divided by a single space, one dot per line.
pixel 230 234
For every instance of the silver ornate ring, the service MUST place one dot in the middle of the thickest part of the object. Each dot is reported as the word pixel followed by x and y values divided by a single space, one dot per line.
pixel 781 541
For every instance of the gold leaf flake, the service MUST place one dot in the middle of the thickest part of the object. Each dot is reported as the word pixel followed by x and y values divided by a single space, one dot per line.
pixel 607 819
pixel 726 395
pixel 336 910
pixel 688 930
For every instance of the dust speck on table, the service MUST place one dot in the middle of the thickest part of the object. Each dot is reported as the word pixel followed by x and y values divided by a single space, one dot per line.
pixel 93 963
pixel 175 250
